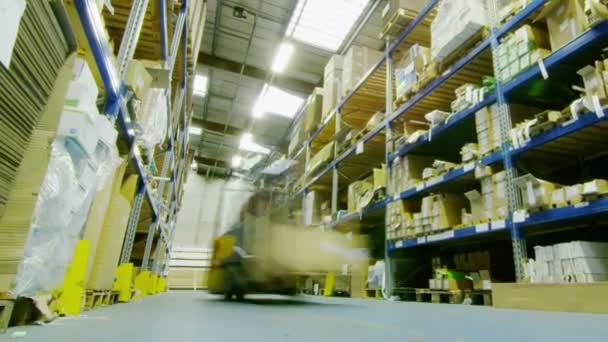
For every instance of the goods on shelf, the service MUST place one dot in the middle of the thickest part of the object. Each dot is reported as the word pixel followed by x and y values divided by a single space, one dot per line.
pixel 458 25
pixel 439 212
pixel 379 176
pixel 414 71
pixel 472 261
pixel 566 20
pixel 313 111
pixel 469 152
pixel 312 208
pixel 569 262
pixel 506 8
pixel 407 8
pixel 525 130
pixel 138 79
pixel 536 193
pixel 481 280
pixel 450 280
pixel 151 124
pixel 401 221
pixel 487 125
pixel 332 83
pixel 467 95
pixel 491 203
pixel 322 157
pixel 596 187
pixel 407 171
pixel 360 194
pixel 358 60
pixel 297 138
pixel 595 79
pixel 525 47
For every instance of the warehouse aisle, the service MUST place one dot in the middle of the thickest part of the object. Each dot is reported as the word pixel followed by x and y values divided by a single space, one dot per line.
pixel 196 316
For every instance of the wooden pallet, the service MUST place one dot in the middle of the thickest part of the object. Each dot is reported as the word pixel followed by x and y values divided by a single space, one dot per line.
pixel 439 296
pixel 6 311
pixel 479 297
pixel 401 19
pixel 96 298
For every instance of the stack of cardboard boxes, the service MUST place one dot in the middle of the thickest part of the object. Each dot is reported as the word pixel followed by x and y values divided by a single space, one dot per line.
pixel 440 212
pixel 357 62
pixel 488 125
pixel 524 47
pixel 570 262
pixel 414 71
pixel 407 171
pixel 332 83
pixel 313 111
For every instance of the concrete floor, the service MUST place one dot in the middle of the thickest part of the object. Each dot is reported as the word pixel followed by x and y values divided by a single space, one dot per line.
pixel 195 316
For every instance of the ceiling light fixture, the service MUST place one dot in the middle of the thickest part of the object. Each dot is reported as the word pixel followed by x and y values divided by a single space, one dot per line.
pixel 199 87
pixel 259 107
pixel 281 59
pixel 195 130
pixel 247 144
pixel 236 161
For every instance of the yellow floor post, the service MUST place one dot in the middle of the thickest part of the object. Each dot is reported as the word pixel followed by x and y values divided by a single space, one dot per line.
pixel 122 281
pixel 162 284
pixel 142 282
pixel 153 283
pixel 330 281
pixel 69 301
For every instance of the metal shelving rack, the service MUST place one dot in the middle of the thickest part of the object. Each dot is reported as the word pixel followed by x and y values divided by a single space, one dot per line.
pixel 164 210
pixel 591 41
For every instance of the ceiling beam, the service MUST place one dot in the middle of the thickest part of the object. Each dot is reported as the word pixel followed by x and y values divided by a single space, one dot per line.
pixel 211 161
pixel 283 82
pixel 216 127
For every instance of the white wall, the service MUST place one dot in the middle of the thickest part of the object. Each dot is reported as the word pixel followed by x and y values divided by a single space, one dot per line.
pixel 202 211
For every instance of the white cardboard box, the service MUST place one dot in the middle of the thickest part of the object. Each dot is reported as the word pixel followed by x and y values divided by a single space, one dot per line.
pixel 78 126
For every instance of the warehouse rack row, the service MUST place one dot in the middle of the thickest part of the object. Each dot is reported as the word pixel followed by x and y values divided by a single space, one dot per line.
pixel 445 138
pixel 164 211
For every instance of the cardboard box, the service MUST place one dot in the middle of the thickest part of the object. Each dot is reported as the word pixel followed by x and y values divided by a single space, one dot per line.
pixel 138 78
pixel 332 88
pixel 324 155
pixel 359 195
pixel 379 178
pixel 313 111
pixel 392 7
pixel 566 20
pixel 358 60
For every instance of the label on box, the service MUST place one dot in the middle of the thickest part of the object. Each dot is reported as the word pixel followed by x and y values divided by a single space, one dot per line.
pixel 399 244
pixel 469 166
pixel 482 227
pixel 543 69
pixel 359 148
pixel 500 224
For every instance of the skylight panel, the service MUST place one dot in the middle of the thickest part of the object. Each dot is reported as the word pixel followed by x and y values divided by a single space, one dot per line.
pixel 324 23
pixel 200 85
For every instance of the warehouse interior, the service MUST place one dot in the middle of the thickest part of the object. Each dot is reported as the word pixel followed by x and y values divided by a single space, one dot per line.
pixel 348 170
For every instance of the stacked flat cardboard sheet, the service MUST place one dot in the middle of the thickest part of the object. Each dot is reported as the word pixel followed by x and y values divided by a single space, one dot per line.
pixel 39 52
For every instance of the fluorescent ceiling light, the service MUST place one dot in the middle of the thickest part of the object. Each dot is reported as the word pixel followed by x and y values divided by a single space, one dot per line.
pixel 200 85
pixel 195 130
pixel 282 57
pixel 277 101
pixel 247 144
pixel 324 23
pixel 236 161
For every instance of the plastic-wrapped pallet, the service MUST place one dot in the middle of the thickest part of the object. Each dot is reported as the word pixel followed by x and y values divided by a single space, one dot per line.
pixel 82 156
pixel 151 124
pixel 457 21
